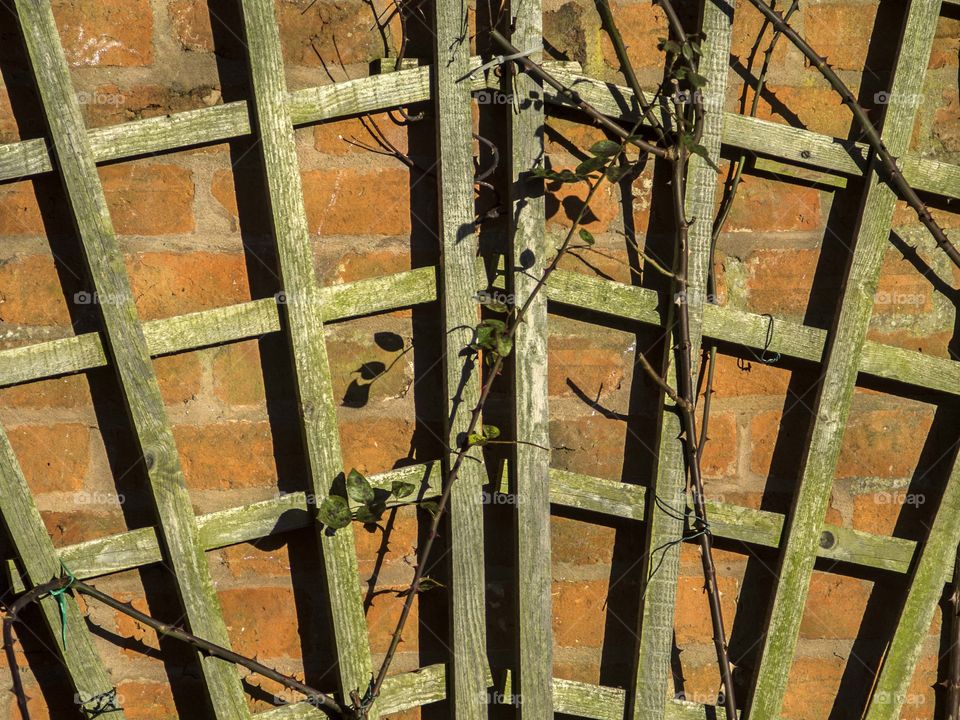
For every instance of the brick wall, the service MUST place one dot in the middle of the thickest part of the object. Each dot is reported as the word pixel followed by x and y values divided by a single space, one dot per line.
pixel 193 228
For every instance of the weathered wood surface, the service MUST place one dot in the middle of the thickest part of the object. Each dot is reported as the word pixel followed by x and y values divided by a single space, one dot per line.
pixel 661 562
pixel 267 518
pixel 750 330
pixel 459 248
pixel 840 367
pixel 933 570
pixel 230 323
pixel 127 348
pixel 40 562
pixel 311 369
pixel 531 457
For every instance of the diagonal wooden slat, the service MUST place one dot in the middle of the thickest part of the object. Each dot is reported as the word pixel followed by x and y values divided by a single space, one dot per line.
pixel 302 308
pixel 467 679
pixel 41 563
pixel 841 362
pixel 127 348
pixel 926 588
pixel 530 458
pixel 662 559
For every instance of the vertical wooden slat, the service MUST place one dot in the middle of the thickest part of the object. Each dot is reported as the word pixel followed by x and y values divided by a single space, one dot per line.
pixel 652 674
pixel 41 563
pixel 933 570
pixel 128 351
pixel 531 458
pixel 842 358
pixel 316 402
pixel 462 379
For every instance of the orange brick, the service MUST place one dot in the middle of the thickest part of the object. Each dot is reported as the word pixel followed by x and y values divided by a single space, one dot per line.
pixel 382 617
pixel 692 618
pixel 577 542
pixel 589 368
pixel 399 549
pixel 66 392
pixel 30 292
pixel 112 104
pixel 132 629
pixel 828 594
pixel 106 33
pixel 765 205
pixel 883 443
pixel 564 201
pixel 149 199
pixel 779 281
pixel 720 453
pixel 168 284
pixel 73 525
pixel 54 458
pixel 641 26
pixel 842 32
pixel 336 137
pixel 815 108
pixel 226 455
pixel 237 374
pixel 734 377
pixel 579 614
pixel 262 621
pixel 767 430
pixel 812 687
pixel 902 290
pixel 19 210
pixel 179 377
pixel 374 444
pixel 593 445
pixel 341 266
pixel 149 700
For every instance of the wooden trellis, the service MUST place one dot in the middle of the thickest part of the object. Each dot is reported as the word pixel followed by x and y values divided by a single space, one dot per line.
pixel 181 539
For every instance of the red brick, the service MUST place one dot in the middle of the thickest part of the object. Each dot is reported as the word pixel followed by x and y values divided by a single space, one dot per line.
pixel 226 455
pixel 238 375
pixel 336 265
pixel 73 525
pixel 19 211
pixel 336 137
pixel 916 339
pixel 828 594
pixel 149 199
pixel 692 618
pixel 812 688
pixel 143 700
pixel 106 33
pixel 815 108
pixel 66 392
pixel 592 445
pixel 779 281
pixel 132 629
pixel 112 104
pixel 765 205
pixel 262 621
pixel 734 377
pixel 841 32
pixel 590 368
pixel 883 443
pixel 168 284
pixel 400 547
pixel 902 290
pixel 374 444
pixel 579 613
pixel 382 617
pixel 641 26
pixel 179 377
pixel 54 458
pixel 576 542
pixel 246 561
pixel 946 129
pixel 338 201
pixel 720 453
pixel 564 201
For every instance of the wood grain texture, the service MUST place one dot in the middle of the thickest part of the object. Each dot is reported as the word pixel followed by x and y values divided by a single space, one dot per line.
pixel 311 368
pixel 531 458
pixel 926 588
pixel 841 364
pixel 459 312
pixel 29 538
pixel 127 348
pixel 652 676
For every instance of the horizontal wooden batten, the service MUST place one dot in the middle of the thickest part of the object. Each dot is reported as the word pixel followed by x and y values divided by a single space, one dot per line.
pixel 750 330
pixel 267 518
pixel 411 85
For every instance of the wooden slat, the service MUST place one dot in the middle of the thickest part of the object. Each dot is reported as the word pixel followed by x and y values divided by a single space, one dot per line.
pixel 459 314
pixel 226 324
pixel 531 457
pixel 128 351
pixel 316 403
pixel 841 363
pixel 268 518
pixel 926 588
pixel 36 553
pixel 661 562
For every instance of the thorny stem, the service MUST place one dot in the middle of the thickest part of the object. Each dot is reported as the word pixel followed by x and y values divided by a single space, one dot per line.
pixel 953 675
pixel 462 452
pixel 887 161
pixel 314 697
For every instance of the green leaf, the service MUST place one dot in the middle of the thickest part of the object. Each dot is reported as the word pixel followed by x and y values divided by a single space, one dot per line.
pixel 605 148
pixel 370 513
pixel 400 489
pixel 431 507
pixel 669 46
pixel 504 345
pixel 587 236
pixel 491 431
pixel 358 487
pixel 696 80
pixel 590 165
pixel 334 512
pixel 476 439
pixel 615 173
pixel 687 141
